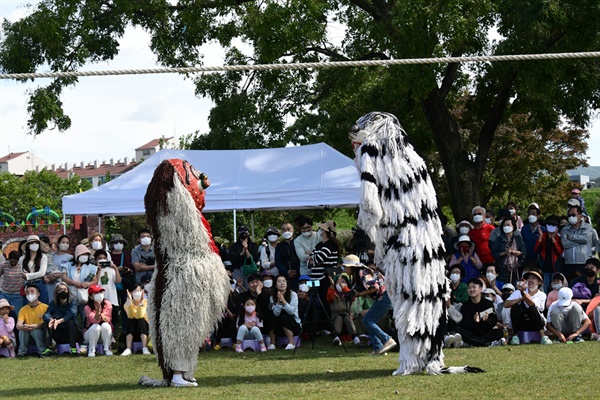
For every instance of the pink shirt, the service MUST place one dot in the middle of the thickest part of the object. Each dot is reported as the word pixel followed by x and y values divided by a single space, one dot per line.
pixel 7 328
pixel 252 319
pixel 552 297
pixel 90 315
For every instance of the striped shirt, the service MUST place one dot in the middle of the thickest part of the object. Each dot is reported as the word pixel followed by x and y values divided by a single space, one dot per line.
pixel 325 255
pixel 13 278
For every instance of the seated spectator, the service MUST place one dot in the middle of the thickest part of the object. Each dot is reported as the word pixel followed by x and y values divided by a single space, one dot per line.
pixel 502 312
pixel 465 255
pixel 593 313
pixel 137 319
pixel 30 323
pixel 263 302
pixel 249 324
pixel 227 325
pixel 527 306
pixel 108 276
pixel 566 318
pixel 509 251
pixel 458 288
pixel 340 298
pixel 61 318
pixel 98 321
pixel 284 303
pixel 558 282
pixel 491 273
pixel 303 299
pixel 7 327
pixel 586 287
pixel 12 281
pixel 479 319
pixel 549 250
pixel 267 253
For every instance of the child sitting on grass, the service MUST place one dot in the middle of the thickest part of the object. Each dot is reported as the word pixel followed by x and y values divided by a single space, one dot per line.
pixel 249 324
pixel 7 327
pixel 137 319
pixel 340 298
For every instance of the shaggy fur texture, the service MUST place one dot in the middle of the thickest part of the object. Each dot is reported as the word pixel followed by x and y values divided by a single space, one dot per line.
pixel 189 289
pixel 398 211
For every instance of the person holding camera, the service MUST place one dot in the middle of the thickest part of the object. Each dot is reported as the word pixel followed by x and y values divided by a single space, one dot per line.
pixel 108 276
pixel 479 318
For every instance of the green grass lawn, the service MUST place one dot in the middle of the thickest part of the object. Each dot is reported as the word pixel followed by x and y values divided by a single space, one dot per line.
pixel 559 371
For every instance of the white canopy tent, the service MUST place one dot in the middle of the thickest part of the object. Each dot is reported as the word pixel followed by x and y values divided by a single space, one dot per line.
pixel 313 176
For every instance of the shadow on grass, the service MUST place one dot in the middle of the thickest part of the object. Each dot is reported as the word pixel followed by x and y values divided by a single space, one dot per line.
pixel 203 382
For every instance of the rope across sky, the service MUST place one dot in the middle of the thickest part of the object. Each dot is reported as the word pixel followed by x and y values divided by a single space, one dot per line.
pixel 315 65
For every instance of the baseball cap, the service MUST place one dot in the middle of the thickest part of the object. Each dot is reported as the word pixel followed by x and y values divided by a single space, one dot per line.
pixel 564 296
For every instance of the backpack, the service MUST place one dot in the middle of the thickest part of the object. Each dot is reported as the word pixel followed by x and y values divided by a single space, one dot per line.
pixel 580 291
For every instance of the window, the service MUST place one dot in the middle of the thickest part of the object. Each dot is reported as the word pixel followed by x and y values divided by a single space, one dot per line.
pixel 146 152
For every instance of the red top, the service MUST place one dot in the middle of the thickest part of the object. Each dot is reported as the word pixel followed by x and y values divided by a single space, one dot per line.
pixel 481 237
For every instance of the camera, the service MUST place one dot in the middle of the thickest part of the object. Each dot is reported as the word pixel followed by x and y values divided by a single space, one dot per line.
pixel 104 263
pixel 313 284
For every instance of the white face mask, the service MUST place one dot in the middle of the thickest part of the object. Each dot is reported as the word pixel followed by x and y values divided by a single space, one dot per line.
pixel 551 228
pixel 512 211
pixel 83 259
pixel 272 238
pixel 573 220
pixel 319 232
pixel 455 278
pixel 303 287
pixel 250 309
pixel 507 229
pixel 287 235
pixel 118 246
pixel 557 286
pixel 307 234
pixel 145 241
pixel 268 283
pixel 96 245
pixel 338 287
pixel 63 246
pixel 99 297
pixel 491 277
pixel 34 247
pixel 488 220
pixel 477 218
pixel 32 297
pixel 464 230
pixel 532 219
pixel 137 295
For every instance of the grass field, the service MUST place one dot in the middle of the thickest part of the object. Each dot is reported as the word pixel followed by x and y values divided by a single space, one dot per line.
pixel 559 371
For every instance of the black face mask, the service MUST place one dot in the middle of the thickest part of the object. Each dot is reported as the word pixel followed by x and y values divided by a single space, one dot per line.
pixel 589 273
pixel 63 295
pixel 243 235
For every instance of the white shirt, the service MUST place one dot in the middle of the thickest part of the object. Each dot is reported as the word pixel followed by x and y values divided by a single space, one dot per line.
pixel 566 310
pixel 539 299
pixel 107 282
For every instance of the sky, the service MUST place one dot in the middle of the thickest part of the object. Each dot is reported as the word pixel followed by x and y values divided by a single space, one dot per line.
pixel 112 116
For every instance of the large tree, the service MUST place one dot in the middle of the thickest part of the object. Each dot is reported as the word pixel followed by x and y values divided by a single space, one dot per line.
pixel 273 108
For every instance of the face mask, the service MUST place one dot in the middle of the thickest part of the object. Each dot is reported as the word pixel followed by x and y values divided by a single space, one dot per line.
pixel 63 246
pixel 455 278
pixel 96 245
pixel 490 298
pixel 63 295
pixel 490 276
pixel 551 228
pixel 287 235
pixel 272 238
pixel 319 232
pixel 477 218
pixel 303 287
pixel 463 230
pixel 573 220
pixel 118 246
pixel 250 309
pixel 307 234
pixel 532 219
pixel 32 297
pixel 512 211
pixel 507 229
pixel 268 283
pixel 557 286
pixel 488 220
pixel 464 248
pixel 34 247
pixel 145 241
pixel 83 259
pixel 244 235
pixel 589 273
pixel 137 295
pixel 338 287
pixel 98 297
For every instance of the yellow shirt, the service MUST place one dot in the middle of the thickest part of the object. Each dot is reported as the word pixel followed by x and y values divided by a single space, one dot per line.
pixel 136 312
pixel 32 315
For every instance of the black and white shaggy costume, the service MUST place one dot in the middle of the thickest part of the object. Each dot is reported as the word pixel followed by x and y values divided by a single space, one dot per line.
pixel 189 288
pixel 398 211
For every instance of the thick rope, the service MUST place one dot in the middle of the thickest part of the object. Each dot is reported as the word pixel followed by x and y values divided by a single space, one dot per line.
pixel 313 65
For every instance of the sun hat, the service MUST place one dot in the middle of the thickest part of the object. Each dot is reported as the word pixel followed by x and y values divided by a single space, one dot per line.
pixel 508 286
pixel 328 226
pixel 33 238
pixel 118 238
pixel 351 260
pixel 81 249
pixel 463 239
pixel 534 273
pixel 5 303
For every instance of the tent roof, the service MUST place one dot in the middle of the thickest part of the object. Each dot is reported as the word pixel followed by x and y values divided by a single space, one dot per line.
pixel 313 176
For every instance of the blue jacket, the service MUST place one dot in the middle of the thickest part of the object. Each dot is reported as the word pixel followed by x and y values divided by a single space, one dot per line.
pixel 66 312
pixel 530 237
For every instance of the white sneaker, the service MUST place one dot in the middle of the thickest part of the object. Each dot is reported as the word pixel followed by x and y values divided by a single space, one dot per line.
pixel 337 340
pixel 325 332
pixel 458 340
pixel 290 347
pixel 92 354
pixel 271 347
pixel 145 351
pixel 387 346
pixel 108 353
pixel 126 352
pixel 499 342
pixel 448 341
pixel 356 340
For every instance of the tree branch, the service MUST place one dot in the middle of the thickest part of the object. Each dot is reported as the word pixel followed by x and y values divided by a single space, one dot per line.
pixel 370 9
pixel 450 76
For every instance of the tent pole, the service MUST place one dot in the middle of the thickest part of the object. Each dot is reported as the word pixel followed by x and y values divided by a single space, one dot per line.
pixel 234 226
pixel 252 223
pixel 64 224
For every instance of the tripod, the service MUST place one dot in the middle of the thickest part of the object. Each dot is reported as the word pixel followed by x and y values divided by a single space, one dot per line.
pixel 313 300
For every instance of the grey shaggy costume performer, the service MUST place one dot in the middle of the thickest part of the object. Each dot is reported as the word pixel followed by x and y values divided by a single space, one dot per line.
pixel 398 211
pixel 189 288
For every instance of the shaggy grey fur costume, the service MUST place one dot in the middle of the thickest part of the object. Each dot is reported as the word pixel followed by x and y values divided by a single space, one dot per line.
pixel 398 211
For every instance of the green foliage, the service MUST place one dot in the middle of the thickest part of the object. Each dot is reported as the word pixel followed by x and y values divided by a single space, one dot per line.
pixel 460 116
pixel 592 204
pixel 36 189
